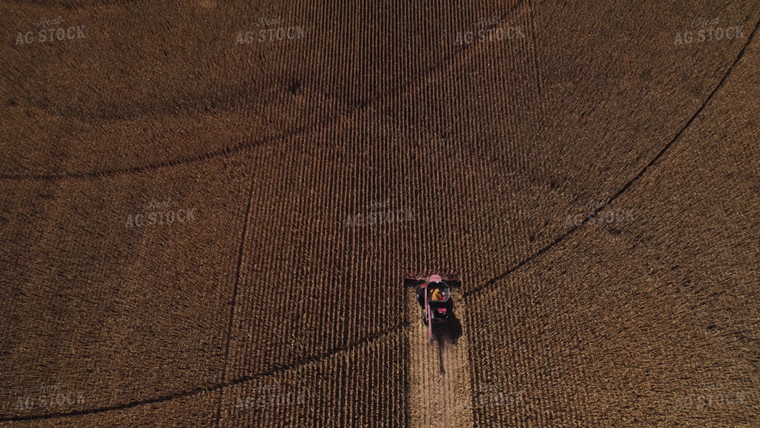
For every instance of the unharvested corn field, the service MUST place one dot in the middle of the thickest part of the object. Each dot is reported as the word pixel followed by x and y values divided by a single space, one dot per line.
pixel 208 209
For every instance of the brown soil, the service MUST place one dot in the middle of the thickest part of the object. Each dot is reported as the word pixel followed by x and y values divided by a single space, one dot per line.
pixel 273 306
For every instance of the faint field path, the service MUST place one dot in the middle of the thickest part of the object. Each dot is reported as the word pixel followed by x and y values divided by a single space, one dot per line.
pixel 439 379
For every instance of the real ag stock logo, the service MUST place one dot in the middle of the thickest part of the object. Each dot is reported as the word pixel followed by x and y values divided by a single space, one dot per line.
pixel 50 30
pixel 489 32
pixel 708 30
pixel 379 213
pixel 159 213
pixel 271 396
pixel 271 30
pixel 52 396
pixel 709 397
pixel 491 395
pixel 597 212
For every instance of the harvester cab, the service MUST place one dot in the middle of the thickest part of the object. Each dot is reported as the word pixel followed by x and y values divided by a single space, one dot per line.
pixel 434 296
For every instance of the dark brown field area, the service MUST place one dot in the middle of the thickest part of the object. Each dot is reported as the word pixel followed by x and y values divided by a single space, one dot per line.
pixel 207 210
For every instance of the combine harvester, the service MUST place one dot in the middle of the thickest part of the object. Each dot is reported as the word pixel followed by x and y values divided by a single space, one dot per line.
pixel 434 297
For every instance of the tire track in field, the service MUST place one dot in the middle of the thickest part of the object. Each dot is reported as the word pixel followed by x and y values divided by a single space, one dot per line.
pixel 378 101
pixel 439 376
pixel 239 264
pixel 401 328
pixel 628 184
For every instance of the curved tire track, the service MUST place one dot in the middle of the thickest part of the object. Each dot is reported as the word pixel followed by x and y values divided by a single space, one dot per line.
pixel 399 329
pixel 379 100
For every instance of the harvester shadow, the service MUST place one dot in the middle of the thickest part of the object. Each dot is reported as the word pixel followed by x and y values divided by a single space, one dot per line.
pixel 449 332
